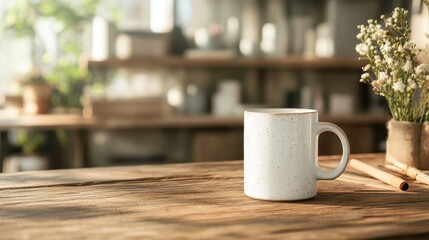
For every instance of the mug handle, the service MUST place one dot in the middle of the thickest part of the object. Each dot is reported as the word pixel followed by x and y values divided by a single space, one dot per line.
pixel 324 127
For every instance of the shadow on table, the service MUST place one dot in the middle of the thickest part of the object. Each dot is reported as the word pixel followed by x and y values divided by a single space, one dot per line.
pixel 373 199
pixel 56 213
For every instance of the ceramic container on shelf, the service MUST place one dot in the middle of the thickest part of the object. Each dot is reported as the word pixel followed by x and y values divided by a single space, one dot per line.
pixel 226 101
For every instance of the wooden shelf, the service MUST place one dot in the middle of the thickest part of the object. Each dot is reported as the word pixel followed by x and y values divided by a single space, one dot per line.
pixel 209 121
pixel 253 63
pixel 206 121
pixel 356 119
pixel 77 122
pixel 54 121
pixel 45 122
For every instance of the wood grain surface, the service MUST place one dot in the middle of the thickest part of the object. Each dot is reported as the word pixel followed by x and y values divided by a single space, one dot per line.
pixel 202 201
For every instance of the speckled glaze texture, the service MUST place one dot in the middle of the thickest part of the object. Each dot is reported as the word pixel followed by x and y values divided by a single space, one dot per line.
pixel 280 152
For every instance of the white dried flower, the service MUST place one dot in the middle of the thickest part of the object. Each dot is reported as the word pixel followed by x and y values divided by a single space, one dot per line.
pixel 367 67
pixel 368 42
pixel 399 86
pixel 409 45
pixel 391 54
pixel 389 22
pixel 377 59
pixel 411 83
pixel 422 68
pixel 377 85
pixel 386 48
pixel 362 49
pixel 379 33
pixel 359 35
pixel 407 66
pixel 389 61
pixel 382 76
pixel 364 77
pixel 395 13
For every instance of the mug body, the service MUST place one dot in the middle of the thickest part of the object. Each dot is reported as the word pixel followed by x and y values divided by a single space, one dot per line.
pixel 280 154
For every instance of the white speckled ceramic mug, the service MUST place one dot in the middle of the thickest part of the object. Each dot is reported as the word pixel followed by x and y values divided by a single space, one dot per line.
pixel 280 153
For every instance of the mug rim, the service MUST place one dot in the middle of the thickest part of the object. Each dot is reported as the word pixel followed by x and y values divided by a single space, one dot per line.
pixel 281 111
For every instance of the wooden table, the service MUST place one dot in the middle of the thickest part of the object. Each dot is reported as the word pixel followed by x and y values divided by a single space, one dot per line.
pixel 202 201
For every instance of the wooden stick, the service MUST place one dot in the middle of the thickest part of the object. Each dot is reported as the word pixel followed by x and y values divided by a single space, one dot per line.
pixel 379 174
pixel 396 169
pixel 411 172
pixel 353 178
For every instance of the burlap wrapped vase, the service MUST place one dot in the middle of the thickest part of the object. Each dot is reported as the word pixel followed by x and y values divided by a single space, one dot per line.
pixel 424 146
pixel 408 142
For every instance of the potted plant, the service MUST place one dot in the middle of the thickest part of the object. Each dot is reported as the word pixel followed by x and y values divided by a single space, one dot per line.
pixel 34 148
pixel 64 71
pixel 36 93
pixel 394 73
pixel 59 79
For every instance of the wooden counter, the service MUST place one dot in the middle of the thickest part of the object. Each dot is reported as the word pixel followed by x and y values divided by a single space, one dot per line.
pixel 202 201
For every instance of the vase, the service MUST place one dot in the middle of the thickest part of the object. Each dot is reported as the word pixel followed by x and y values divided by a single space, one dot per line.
pixel 407 142
pixel 424 146
pixel 25 163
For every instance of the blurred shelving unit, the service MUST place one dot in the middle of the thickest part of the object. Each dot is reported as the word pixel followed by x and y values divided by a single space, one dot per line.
pixel 265 77
pixel 278 78
pixel 351 63
pixel 220 138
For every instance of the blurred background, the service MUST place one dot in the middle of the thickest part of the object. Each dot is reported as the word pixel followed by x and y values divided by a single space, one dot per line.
pixel 99 83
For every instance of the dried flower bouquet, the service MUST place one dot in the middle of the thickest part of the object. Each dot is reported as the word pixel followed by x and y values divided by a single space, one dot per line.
pixel 392 70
